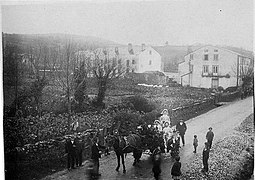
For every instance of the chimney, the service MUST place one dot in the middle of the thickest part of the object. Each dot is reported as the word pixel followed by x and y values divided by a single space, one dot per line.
pixel 143 47
pixel 130 48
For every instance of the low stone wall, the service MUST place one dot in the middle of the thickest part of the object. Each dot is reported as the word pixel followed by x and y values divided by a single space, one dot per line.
pixel 188 112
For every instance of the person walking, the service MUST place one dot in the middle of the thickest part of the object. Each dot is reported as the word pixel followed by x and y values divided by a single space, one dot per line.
pixel 195 143
pixel 176 169
pixel 95 155
pixel 156 169
pixel 209 137
pixel 181 128
pixel 205 158
pixel 70 149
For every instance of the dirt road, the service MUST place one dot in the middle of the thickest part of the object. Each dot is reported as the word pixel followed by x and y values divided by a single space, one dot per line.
pixel 222 119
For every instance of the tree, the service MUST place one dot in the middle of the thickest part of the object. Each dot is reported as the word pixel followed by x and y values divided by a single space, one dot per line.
pixel 105 70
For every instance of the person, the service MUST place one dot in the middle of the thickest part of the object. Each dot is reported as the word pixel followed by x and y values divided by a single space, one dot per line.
pixel 195 143
pixel 209 137
pixel 70 149
pixel 181 128
pixel 79 150
pixel 156 169
pixel 205 158
pixel 95 154
pixel 106 139
pixel 165 118
pixel 176 169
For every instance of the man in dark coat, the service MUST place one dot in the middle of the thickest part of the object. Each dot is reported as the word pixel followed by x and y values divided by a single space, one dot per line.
pixel 70 148
pixel 95 154
pixel 156 169
pixel 79 149
pixel 209 137
pixel 181 128
pixel 205 158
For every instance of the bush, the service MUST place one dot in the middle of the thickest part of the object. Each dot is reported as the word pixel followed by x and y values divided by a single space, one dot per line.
pixel 141 104
pixel 126 122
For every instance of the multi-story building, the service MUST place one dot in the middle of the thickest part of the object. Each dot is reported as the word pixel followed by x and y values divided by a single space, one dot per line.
pixel 137 59
pixel 212 66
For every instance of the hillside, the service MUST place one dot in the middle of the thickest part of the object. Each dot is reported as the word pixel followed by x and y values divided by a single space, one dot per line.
pixel 24 40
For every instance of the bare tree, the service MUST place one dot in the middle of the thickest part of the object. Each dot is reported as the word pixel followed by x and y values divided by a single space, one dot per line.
pixel 105 70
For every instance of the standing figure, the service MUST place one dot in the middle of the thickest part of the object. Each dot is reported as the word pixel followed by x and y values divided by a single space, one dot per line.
pixel 79 151
pixel 195 143
pixel 209 137
pixel 70 148
pixel 95 154
pixel 205 158
pixel 181 128
pixel 176 169
pixel 156 169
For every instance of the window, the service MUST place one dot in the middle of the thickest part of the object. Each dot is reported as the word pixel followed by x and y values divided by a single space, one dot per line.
pixel 191 68
pixel 216 57
pixel 150 52
pixel 205 69
pixel 127 63
pixel 206 57
pixel 206 50
pixel 215 69
pixel 215 50
pixel 191 57
pixel 150 62
pixel 133 61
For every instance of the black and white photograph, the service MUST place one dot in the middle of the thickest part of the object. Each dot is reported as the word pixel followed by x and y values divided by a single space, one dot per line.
pixel 132 89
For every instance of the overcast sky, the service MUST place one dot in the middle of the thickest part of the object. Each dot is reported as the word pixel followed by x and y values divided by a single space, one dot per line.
pixel 182 22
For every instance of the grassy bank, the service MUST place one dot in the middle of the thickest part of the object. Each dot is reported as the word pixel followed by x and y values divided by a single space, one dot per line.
pixel 231 158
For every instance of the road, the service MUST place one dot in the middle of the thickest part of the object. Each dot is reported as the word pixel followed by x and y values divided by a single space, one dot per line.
pixel 222 119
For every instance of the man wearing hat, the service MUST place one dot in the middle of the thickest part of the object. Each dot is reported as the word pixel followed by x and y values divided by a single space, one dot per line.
pixel 181 128
pixel 209 137
pixel 70 148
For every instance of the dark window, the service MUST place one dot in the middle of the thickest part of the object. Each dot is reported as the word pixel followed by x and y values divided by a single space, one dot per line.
pixel 205 69
pixel 133 61
pixel 150 62
pixel 150 52
pixel 127 63
pixel 206 57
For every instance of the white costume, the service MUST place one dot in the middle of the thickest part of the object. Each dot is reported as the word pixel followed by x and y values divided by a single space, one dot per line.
pixel 165 118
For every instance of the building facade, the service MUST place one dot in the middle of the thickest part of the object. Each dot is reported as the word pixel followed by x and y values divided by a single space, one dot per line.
pixel 212 67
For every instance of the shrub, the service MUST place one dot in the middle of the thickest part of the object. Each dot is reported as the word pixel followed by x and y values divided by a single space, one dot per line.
pixel 141 104
pixel 126 122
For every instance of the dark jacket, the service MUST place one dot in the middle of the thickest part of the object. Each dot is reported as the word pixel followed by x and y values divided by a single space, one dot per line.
pixel 209 135
pixel 70 147
pixel 95 151
pixel 176 169
pixel 205 154
pixel 181 128
pixel 156 166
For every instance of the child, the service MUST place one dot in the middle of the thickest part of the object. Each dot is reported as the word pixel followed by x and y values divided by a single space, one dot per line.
pixel 176 169
pixel 195 143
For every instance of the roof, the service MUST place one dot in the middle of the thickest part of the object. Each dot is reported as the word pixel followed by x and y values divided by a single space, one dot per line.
pixel 235 50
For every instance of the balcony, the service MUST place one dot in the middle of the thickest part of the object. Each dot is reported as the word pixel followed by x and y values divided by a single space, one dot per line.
pixel 218 75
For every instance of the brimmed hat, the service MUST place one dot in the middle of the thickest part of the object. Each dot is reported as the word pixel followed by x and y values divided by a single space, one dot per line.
pixel 210 128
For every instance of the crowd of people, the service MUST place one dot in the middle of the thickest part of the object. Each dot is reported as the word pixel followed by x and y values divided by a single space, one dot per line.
pixel 74 146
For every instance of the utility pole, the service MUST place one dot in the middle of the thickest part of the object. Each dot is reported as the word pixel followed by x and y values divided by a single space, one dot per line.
pixel 237 71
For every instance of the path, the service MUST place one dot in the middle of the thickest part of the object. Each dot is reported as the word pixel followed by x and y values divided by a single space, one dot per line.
pixel 222 119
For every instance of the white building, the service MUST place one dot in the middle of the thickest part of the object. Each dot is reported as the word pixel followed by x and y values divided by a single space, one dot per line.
pixel 212 66
pixel 137 59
